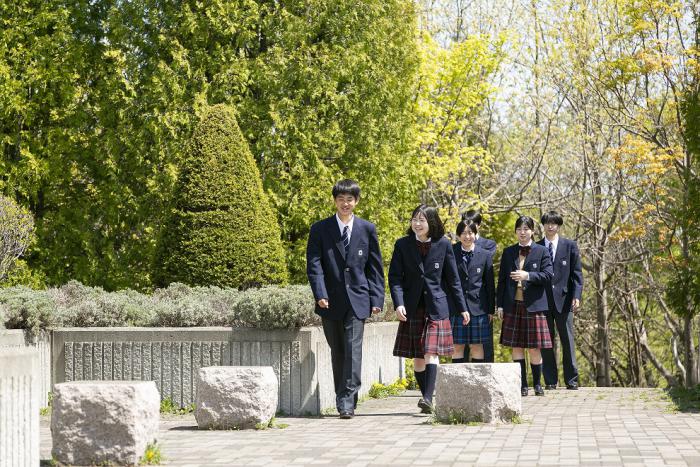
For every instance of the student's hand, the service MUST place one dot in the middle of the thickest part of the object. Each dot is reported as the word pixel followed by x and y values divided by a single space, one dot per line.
pixel 465 317
pixel 519 275
pixel 499 313
pixel 401 313
pixel 375 310
pixel 323 303
pixel 575 304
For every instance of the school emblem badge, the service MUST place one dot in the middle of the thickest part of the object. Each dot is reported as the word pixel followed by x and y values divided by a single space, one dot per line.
pixel 437 265
pixel 359 253
pixel 563 263
pixel 534 265
pixel 478 269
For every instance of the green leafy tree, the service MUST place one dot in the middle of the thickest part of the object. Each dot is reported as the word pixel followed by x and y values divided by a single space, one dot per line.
pixel 223 231
pixel 16 233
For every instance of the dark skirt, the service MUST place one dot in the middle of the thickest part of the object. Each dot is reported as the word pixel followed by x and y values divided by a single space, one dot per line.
pixel 525 330
pixel 419 335
pixel 478 331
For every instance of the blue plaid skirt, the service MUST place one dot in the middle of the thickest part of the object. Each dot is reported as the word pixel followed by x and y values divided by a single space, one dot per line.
pixel 477 331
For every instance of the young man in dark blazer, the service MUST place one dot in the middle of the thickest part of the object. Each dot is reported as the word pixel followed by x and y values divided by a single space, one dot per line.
pixel 490 246
pixel 344 267
pixel 564 299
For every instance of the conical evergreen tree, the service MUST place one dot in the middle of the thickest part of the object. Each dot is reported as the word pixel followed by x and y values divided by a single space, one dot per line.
pixel 222 230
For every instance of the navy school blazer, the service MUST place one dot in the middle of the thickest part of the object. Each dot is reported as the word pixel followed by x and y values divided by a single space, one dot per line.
pixel 478 286
pixel 353 282
pixel 539 265
pixel 486 244
pixel 436 277
pixel 567 282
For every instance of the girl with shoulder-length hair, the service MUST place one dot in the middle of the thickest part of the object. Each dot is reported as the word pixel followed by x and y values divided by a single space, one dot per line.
pixel 422 274
pixel 521 297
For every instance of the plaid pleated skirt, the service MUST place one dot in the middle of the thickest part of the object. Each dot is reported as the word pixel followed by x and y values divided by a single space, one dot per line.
pixel 419 335
pixel 477 331
pixel 525 330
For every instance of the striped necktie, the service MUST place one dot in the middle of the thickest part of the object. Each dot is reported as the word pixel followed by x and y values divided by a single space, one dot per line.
pixel 551 251
pixel 346 239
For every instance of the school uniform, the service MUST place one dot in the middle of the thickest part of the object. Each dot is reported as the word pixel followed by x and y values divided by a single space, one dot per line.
pixel 345 267
pixel 475 270
pixel 421 277
pixel 567 285
pixel 486 244
pixel 490 246
pixel 525 303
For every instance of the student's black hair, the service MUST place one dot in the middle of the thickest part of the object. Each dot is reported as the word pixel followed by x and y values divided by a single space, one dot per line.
pixel 528 221
pixel 346 187
pixel 465 223
pixel 436 230
pixel 552 217
pixel 472 215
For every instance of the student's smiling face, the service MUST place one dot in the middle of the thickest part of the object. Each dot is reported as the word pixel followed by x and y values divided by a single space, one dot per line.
pixel 420 227
pixel 524 234
pixel 345 204
pixel 467 238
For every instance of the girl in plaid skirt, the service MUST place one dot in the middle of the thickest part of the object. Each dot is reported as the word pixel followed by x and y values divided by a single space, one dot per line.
pixel 525 273
pixel 422 274
pixel 476 276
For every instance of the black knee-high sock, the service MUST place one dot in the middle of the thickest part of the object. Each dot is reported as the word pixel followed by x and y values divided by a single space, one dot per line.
pixel 430 376
pixel 536 372
pixel 457 360
pixel 477 360
pixel 420 379
pixel 523 372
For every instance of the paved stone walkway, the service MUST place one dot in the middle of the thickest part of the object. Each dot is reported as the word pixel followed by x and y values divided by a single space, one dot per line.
pixel 586 427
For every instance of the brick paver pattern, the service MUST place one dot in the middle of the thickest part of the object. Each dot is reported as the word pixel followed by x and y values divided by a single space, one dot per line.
pixel 592 426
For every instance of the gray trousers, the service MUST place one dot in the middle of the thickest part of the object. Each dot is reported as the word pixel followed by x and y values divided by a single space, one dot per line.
pixel 344 337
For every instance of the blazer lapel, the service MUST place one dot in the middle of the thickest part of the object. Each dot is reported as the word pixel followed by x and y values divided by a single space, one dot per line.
pixel 431 258
pixel 355 237
pixel 461 264
pixel 416 255
pixel 335 235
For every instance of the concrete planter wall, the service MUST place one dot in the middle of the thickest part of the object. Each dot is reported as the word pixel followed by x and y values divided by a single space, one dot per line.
pixel 19 406
pixel 18 339
pixel 171 357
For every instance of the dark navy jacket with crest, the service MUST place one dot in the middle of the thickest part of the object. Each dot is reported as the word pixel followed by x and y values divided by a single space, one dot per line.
pixel 353 282
pixel 567 282
pixel 539 265
pixel 433 277
pixel 477 282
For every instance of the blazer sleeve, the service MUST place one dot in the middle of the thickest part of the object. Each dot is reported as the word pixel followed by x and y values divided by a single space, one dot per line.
pixel 490 285
pixel 503 272
pixel 314 266
pixel 374 270
pixel 546 272
pixel 396 273
pixel 576 272
pixel 453 283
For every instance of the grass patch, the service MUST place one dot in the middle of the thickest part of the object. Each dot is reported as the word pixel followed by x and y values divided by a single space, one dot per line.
pixel 167 406
pixel 273 423
pixel 684 399
pixel 152 456
pixel 46 411
pixel 382 391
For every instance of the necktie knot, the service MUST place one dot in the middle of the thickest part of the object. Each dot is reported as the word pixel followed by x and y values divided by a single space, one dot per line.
pixel 467 255
pixel 346 238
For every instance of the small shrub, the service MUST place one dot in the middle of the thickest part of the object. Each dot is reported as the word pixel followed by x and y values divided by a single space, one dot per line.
pixel 167 406
pixel 152 455
pixel 381 391
pixel 25 308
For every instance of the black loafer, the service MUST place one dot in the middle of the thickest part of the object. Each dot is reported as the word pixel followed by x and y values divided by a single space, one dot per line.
pixel 572 386
pixel 539 391
pixel 523 391
pixel 550 387
pixel 421 402
pixel 346 415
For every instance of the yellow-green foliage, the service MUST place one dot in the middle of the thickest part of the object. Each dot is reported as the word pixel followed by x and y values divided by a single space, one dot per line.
pixel 222 231
pixel 381 391
pixel 16 233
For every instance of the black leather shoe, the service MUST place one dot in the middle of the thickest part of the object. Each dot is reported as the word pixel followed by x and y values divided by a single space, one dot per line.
pixel 572 386
pixel 346 415
pixel 539 391
pixel 550 387
pixel 523 391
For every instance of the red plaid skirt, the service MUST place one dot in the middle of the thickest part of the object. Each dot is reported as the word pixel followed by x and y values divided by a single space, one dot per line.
pixel 525 330
pixel 419 335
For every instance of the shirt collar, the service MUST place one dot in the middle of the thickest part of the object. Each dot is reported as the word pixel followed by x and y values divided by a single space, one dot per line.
pixel 554 242
pixel 528 244
pixel 341 225
pixel 462 247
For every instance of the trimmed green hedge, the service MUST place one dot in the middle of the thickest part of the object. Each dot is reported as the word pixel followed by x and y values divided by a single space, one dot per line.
pixel 179 305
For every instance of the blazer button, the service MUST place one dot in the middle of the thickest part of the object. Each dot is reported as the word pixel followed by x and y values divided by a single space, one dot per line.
pixel 347 285
pixel 347 269
pixel 425 292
